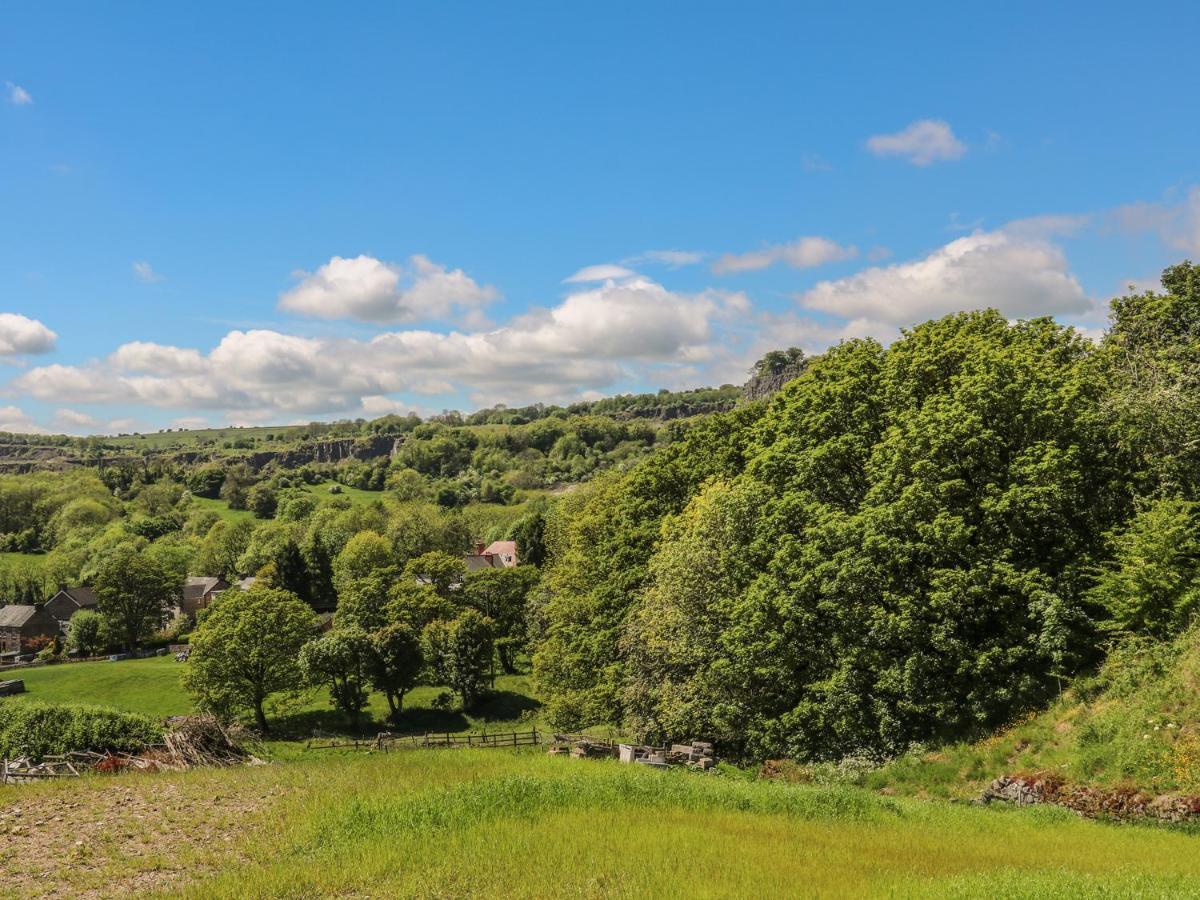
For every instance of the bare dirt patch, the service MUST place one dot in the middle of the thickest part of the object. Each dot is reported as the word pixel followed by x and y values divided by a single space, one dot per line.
pixel 111 836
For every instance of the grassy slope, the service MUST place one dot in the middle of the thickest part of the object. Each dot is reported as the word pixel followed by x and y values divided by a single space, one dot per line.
pixel 503 823
pixel 1136 723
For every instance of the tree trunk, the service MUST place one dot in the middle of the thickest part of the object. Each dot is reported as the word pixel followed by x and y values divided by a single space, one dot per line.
pixel 260 717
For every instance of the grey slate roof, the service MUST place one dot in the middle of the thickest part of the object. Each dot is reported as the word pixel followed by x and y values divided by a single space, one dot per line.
pixel 15 615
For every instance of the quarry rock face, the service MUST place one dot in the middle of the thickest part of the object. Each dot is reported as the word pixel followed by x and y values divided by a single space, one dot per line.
pixel 762 386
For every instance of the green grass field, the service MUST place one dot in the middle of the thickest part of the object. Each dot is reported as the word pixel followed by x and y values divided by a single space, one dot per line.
pixel 501 823
pixel 475 823
pixel 152 686
pixel 319 491
pixel 29 562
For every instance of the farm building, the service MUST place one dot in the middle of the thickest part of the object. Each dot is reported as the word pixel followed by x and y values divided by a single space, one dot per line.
pixel 68 601
pixel 496 555
pixel 23 627
pixel 199 592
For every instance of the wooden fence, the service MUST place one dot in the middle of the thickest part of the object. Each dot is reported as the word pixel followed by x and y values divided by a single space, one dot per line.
pixel 386 741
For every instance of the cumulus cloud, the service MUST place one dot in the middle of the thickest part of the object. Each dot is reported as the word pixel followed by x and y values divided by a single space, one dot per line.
pixel 143 271
pixel 592 339
pixel 146 356
pixel 802 253
pixel 921 143
pixel 21 336
pixel 17 95
pixel 371 290
pixel 16 420
pixel 1175 221
pixel 1022 277
pixel 602 272
pixel 73 419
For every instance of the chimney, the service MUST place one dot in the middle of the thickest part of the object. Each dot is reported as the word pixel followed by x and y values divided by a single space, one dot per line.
pixel 479 548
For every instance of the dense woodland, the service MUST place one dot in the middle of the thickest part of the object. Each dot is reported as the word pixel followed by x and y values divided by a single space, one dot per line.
pixel 906 543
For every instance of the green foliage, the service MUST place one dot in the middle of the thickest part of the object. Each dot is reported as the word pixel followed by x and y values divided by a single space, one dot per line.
pixel 601 538
pixel 500 595
pixel 134 593
pixel 1152 582
pixel 459 653
pixel 222 548
pixel 365 553
pixel 41 729
pixel 88 633
pixel 395 663
pixel 261 501
pixel 900 557
pixel 1151 360
pixel 341 661
pixel 245 649
pixel 441 571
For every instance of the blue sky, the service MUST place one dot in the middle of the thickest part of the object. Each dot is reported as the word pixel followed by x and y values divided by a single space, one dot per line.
pixel 277 212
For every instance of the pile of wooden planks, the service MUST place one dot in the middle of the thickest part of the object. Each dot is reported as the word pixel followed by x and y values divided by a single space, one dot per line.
pixel 697 755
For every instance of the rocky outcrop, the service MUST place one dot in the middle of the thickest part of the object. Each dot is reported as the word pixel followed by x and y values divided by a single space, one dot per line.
pixel 1093 802
pixel 761 386
pixel 333 451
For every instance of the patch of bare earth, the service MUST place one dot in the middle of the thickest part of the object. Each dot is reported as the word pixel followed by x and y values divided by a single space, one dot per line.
pixel 113 836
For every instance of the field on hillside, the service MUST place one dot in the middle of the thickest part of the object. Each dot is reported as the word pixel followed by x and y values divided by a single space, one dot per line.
pixel 464 823
pixel 152 686
pixel 187 440
pixel 320 492
pixel 25 562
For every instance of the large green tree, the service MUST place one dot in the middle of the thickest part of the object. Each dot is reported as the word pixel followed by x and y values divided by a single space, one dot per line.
pixel 246 648
pixel 135 593
pixel 341 662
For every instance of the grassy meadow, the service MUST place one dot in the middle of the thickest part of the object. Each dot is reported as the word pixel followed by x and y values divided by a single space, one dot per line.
pixel 152 686
pixel 518 823
pixel 465 823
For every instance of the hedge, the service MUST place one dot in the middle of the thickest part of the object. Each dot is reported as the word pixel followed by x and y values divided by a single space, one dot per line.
pixel 38 729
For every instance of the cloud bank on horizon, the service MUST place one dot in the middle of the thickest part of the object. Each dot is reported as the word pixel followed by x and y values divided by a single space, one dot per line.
pixel 613 325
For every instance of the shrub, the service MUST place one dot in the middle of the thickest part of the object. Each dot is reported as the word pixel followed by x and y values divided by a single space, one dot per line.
pixel 38 729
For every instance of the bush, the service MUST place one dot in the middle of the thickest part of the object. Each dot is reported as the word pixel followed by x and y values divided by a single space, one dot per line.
pixel 39 729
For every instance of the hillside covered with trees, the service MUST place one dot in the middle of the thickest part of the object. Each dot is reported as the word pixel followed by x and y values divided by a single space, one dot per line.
pixel 911 543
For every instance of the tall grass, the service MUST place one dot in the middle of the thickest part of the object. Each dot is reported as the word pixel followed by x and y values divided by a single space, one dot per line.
pixel 495 823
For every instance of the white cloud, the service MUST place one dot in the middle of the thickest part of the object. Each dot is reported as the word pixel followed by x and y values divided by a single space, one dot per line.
pixel 17 421
pixel 592 339
pixel 602 272
pixel 803 253
pixel 17 95
pixel 1175 221
pixel 143 271
pixel 371 290
pixel 74 420
pixel 673 259
pixel 145 356
pixel 921 143
pixel 20 335
pixel 1021 277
